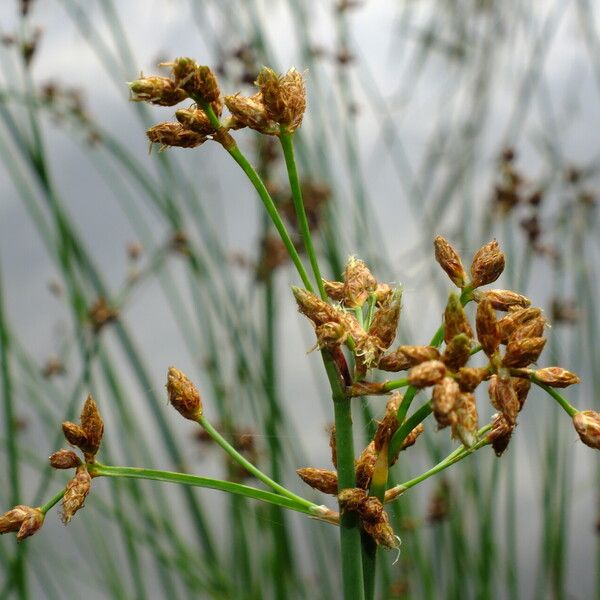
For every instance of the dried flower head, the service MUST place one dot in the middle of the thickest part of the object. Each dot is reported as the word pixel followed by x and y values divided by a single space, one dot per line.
pixel 587 425
pixel 427 374
pixel 174 134
pixel 556 377
pixel 334 289
pixel 469 378
pixel 522 352
pixel 64 459
pixel 385 321
pixel 487 265
pixel 365 465
pixel 449 259
pixel 350 499
pixel 250 111
pixel 389 424
pixel 284 96
pixel 157 90
pixel 455 319
pixel 183 395
pixel 320 479
pixel 516 319
pixel 317 310
pixel 93 426
pixel 487 327
pixel 195 119
pixel 503 299
pixel 457 352
pixel 358 283
pixel 500 434
pixel 74 434
pixel 504 398
pixel 331 334
pixel 405 357
pixel 25 520
pixel 101 314
pixel 411 438
pixel 466 422
pixel 381 531
pixel 75 493
pixel 443 399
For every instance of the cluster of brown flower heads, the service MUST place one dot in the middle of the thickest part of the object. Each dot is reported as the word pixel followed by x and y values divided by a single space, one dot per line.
pixel 278 105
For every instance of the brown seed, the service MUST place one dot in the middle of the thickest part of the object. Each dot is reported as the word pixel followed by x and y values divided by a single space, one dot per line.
pixel 444 397
pixel 320 479
pixel 64 459
pixel 587 425
pixel 470 377
pixel 503 299
pixel 487 327
pixel 457 352
pixel 358 283
pixel 75 493
pixel 449 259
pixel 487 265
pixel 500 434
pixel 466 423
pixel 405 357
pixel 520 353
pixel 385 321
pixel 427 373
pixel 556 377
pixel 455 319
pixel 183 395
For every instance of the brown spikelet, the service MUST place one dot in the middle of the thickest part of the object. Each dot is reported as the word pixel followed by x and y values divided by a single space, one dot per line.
pixel 365 465
pixel 383 293
pixel 504 398
pixel 487 327
pixel 332 334
pixel 368 351
pixel 381 531
pixel 250 111
pixel 183 395
pixel 487 265
pixel 587 425
pixel 556 377
pixel 385 321
pixel 411 438
pixel 522 352
pixel 31 524
pixel 455 319
pixel 521 387
pixel 320 479
pixel 444 397
pixel 74 434
pixel 64 459
pixel 503 299
pixel 156 90
pixel 317 310
pixel 92 424
pixel 470 377
pixel 427 373
pixel 350 499
pixel 334 289
pixel 457 352
pixel 370 509
pixel 365 388
pixel 466 422
pixel 174 134
pixel 405 357
pixel 358 283
pixel 22 519
pixel 284 96
pixel 196 120
pixel 389 424
pixel 449 259
pixel 516 319
pixel 500 434
pixel 532 329
pixel 75 493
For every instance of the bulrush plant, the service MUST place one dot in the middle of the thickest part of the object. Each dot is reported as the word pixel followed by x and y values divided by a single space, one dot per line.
pixel 355 321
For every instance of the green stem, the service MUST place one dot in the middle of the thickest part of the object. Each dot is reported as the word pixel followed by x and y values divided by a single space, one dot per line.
pixel 305 506
pixel 53 501
pixel 394 384
pixel 568 408
pixel 407 426
pixel 352 571
pixel 235 455
pixel 287 144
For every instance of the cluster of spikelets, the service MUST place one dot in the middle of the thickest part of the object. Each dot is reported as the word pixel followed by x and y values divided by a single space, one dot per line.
pixel 278 105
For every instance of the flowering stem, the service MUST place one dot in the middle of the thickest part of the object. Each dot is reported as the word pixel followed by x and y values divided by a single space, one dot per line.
pixel 287 144
pixel 230 145
pixel 305 506
pixel 394 384
pixel 568 408
pixel 407 426
pixel 53 501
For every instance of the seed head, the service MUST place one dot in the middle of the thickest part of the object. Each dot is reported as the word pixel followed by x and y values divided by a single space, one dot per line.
pixel 503 299
pixel 284 96
pixel 521 387
pixel 465 424
pixel 444 397
pixel 365 465
pixel 487 265
pixel 368 351
pixel 320 479
pixel 385 321
pixel 427 373
pixel 534 328
pixel 455 319
pixel 64 459
pixel 470 377
pixel 195 120
pixel 93 426
pixel 350 499
pixel 250 111
pixel 500 434
pixel 75 493
pixel 522 352
pixel 381 531
pixel 183 395
pixel 487 327
pixel 405 357
pixel 389 424
pixel 556 377
pixel 334 289
pixel 22 519
pixel 317 310
pixel 156 90
pixel 331 334
pixel 174 134
pixel 504 398
pixel 457 352
pixel 74 434
pixel 358 283
pixel 449 259
pixel 587 425
pixel 515 319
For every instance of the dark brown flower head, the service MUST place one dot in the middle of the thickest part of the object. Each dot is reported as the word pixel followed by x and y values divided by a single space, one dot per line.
pixel 93 426
pixel 284 96
pixel 521 387
pixel 522 352
pixel 358 283
pixel 183 395
pixel 457 352
pixel 174 134
pixel 74 434
pixel 449 259
pixel 455 319
pixel 64 459
pixel 587 425
pixel 405 357
pixel 385 321
pixel 504 398
pixel 556 377
pixel 503 299
pixel 249 111
pixel 427 373
pixel 381 531
pixel 198 81
pixel 411 438
pixel 515 319
pixel 75 493
pixel 320 479
pixel 350 499
pixel 24 520
pixel 156 90
pixel 487 327
pixel 487 265
pixel 500 434
pixel 534 328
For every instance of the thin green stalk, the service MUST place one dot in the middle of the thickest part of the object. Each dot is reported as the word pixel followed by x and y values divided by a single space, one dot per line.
pixel 53 501
pixel 564 403
pixel 287 144
pixel 417 417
